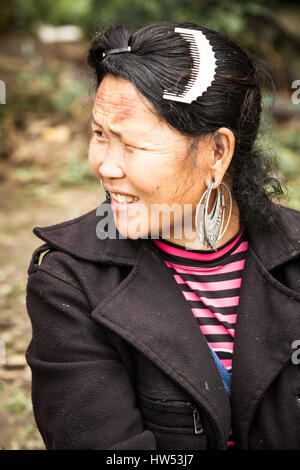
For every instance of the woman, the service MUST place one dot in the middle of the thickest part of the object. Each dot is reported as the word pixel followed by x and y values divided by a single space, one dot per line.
pixel 177 331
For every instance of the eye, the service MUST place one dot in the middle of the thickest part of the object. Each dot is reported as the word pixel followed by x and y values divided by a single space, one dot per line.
pixel 99 134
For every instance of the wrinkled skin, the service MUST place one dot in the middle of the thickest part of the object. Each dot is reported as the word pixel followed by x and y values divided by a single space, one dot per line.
pixel 135 152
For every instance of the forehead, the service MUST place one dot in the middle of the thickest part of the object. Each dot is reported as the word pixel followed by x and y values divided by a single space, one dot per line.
pixel 118 100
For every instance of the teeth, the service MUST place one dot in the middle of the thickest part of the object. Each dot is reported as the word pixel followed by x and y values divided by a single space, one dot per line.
pixel 122 198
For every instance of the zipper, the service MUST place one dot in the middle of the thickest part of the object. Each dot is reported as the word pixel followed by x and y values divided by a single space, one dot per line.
pixel 196 419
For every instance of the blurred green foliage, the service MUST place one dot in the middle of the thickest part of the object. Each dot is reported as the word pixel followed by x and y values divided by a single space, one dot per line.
pixel 76 172
pixel 41 88
pixel 17 402
pixel 229 16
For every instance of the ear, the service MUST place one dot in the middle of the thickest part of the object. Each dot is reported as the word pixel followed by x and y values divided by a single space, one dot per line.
pixel 221 152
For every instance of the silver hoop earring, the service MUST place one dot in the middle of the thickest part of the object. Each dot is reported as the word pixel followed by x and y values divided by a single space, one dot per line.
pixel 210 228
pixel 105 191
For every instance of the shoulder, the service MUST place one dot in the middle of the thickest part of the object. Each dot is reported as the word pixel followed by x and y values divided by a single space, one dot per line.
pixel 279 243
pixel 75 255
pixel 90 237
pixel 289 221
pixel 287 248
pixel 54 273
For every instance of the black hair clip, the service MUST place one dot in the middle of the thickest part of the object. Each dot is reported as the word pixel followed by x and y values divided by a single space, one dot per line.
pixel 116 51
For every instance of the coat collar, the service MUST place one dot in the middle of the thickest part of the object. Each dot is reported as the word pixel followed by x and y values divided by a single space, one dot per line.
pixel 266 317
pixel 80 237
pixel 271 247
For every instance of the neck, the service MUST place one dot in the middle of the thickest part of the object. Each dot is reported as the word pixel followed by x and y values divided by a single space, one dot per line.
pixel 189 239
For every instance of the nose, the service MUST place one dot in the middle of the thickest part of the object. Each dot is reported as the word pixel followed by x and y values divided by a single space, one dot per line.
pixel 110 166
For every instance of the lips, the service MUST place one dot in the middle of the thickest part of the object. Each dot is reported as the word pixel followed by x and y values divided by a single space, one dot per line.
pixel 122 206
pixel 124 198
pixel 121 196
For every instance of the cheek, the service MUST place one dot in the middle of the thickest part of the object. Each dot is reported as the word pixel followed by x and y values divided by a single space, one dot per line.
pixel 155 176
pixel 145 176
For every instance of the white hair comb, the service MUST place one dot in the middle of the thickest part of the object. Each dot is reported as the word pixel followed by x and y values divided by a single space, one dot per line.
pixel 203 70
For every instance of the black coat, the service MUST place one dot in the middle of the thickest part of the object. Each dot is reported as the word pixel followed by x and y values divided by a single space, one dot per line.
pixel 118 360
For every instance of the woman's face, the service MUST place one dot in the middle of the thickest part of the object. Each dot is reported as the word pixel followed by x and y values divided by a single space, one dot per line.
pixel 135 153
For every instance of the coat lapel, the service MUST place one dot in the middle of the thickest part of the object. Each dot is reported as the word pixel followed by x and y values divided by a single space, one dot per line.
pixel 148 310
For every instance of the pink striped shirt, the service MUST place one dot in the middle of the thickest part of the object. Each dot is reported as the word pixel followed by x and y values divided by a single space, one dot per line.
pixel 210 283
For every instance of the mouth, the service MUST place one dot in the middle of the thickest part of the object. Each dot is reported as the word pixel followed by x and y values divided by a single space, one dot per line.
pixel 123 198
pixel 122 202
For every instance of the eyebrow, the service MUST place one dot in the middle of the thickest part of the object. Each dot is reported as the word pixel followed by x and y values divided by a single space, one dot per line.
pixel 111 130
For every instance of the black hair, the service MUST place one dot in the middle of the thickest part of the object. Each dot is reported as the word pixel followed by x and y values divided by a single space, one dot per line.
pixel 160 60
